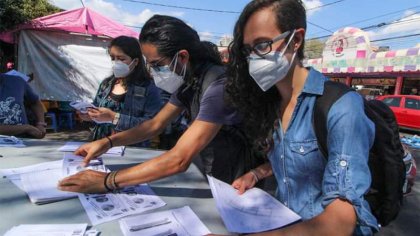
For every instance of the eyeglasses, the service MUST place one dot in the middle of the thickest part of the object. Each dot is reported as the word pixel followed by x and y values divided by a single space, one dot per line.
pixel 264 48
pixel 155 65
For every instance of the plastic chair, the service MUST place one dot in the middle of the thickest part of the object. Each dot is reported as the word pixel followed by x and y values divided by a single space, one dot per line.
pixel 51 120
pixel 65 119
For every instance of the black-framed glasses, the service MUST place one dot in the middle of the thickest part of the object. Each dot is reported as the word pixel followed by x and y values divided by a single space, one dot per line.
pixel 265 47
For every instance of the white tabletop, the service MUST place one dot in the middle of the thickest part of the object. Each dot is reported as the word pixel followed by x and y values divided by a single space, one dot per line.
pixel 189 188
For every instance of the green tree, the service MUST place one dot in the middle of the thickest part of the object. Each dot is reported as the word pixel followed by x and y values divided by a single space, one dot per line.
pixel 15 12
pixel 314 48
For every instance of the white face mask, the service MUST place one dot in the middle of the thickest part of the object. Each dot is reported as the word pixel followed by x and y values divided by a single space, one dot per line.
pixel 121 69
pixel 271 69
pixel 168 79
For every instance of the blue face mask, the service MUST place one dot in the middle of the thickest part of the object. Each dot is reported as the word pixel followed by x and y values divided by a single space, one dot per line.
pixel 270 69
pixel 168 79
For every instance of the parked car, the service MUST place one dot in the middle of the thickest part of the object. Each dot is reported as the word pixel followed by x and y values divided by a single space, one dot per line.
pixel 410 169
pixel 406 109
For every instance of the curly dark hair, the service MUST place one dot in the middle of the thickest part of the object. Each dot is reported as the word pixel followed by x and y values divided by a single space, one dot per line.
pixel 260 109
pixel 131 47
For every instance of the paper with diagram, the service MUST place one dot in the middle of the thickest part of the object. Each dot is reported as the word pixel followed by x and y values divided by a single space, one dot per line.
pixel 128 201
pixel 176 222
pixel 253 211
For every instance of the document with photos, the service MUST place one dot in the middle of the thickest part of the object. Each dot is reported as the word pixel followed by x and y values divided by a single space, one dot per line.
pixel 176 222
pixel 48 229
pixel 72 164
pixel 11 141
pixel 14 174
pixel 128 201
pixel 253 211
pixel 73 146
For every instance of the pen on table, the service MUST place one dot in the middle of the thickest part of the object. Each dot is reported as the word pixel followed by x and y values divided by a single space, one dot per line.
pixel 150 225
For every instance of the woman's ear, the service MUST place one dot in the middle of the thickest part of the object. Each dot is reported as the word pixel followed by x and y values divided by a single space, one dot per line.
pixel 183 56
pixel 299 38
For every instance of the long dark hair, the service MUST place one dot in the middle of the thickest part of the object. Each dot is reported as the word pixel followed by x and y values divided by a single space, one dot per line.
pixel 170 35
pixel 260 109
pixel 131 47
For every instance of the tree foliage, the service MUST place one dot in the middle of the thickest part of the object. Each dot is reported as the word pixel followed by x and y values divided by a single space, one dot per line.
pixel 15 12
pixel 314 48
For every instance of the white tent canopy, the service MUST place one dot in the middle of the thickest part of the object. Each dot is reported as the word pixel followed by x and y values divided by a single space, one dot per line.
pixel 66 67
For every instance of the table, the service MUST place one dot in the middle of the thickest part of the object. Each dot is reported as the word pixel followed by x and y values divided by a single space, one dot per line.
pixel 188 188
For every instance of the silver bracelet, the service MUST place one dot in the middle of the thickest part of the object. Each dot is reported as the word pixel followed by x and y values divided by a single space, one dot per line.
pixel 254 173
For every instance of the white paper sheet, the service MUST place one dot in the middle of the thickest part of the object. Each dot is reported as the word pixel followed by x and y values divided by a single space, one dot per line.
pixel 10 141
pixel 176 222
pixel 253 211
pixel 129 201
pixel 48 230
pixel 41 186
pixel 14 174
pixel 83 108
pixel 73 146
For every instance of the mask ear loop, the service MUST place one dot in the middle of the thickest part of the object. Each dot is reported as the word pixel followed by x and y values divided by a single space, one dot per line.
pixel 288 42
pixel 174 62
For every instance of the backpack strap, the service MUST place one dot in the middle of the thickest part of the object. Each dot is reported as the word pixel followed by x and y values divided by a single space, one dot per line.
pixel 211 74
pixel 332 92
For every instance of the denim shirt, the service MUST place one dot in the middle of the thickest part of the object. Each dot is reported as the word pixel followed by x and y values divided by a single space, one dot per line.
pixel 307 182
pixel 142 102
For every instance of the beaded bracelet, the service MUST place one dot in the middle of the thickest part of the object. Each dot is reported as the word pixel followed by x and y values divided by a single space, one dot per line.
pixel 113 180
pixel 105 182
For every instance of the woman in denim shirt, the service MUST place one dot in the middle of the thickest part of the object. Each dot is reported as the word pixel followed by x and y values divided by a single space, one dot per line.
pixel 128 97
pixel 267 77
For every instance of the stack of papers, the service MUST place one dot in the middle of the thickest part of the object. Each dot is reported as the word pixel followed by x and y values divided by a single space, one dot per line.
pixel 14 174
pixel 48 229
pixel 73 146
pixel 253 211
pixel 10 141
pixel 177 222
pixel 83 107
pixel 128 201
pixel 40 181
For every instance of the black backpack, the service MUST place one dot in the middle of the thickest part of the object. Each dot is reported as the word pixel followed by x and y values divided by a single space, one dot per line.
pixel 385 157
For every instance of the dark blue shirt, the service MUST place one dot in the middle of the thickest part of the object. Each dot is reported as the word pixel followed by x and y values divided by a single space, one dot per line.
pixel 14 91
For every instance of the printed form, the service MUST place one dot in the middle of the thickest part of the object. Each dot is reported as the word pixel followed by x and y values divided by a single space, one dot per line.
pixel 253 211
pixel 176 222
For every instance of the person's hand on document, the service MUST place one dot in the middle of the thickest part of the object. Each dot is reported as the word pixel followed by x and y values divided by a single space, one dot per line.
pixel 92 150
pixel 245 182
pixel 88 181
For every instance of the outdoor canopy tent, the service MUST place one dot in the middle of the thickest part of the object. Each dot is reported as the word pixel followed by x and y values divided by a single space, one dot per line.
pixel 66 52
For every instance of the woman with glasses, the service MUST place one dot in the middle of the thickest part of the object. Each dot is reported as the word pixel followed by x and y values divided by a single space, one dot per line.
pixel 276 93
pixel 128 97
pixel 191 70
